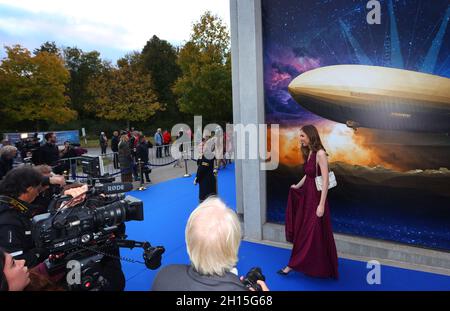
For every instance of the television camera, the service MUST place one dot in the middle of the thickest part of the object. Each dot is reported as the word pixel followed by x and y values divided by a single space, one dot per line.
pixel 27 147
pixel 94 168
pixel 90 231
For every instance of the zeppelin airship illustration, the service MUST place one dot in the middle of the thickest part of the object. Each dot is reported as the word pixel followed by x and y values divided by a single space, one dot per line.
pixel 376 97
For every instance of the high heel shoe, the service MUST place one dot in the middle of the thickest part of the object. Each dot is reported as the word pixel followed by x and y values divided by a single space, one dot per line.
pixel 282 272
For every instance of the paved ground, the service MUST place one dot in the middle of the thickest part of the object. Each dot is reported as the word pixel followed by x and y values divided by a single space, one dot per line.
pixel 159 173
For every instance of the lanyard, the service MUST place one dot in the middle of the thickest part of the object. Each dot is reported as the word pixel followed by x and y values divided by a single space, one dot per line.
pixel 14 203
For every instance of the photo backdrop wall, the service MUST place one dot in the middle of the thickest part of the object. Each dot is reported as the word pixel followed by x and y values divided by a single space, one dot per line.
pixel 384 119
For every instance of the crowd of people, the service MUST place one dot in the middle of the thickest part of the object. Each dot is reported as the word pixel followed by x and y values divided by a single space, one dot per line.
pixel 213 231
pixel 45 153
pixel 162 141
pixel 27 191
pixel 131 152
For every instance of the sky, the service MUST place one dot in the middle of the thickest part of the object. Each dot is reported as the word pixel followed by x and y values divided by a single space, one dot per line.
pixel 111 27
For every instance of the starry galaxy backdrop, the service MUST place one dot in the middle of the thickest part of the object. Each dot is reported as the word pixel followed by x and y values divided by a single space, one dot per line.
pixel 301 35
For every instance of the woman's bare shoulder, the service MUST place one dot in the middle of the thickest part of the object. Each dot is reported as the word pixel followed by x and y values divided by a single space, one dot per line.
pixel 321 153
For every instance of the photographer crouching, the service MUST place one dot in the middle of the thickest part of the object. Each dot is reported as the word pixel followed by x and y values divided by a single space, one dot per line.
pixel 19 188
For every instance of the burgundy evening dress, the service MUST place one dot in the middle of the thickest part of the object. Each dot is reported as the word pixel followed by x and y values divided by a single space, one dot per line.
pixel 314 251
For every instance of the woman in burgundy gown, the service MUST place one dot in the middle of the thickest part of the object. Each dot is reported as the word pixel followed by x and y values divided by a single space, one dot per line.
pixel 308 219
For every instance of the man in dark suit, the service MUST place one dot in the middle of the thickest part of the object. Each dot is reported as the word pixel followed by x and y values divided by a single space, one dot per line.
pixel 49 153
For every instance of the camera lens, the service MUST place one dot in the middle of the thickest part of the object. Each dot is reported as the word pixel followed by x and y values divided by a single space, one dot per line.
pixel 119 212
pixel 111 214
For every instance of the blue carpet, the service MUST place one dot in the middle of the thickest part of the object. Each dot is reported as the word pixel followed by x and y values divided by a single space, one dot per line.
pixel 167 207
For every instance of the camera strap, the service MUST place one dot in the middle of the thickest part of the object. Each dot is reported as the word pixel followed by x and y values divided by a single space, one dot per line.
pixel 14 203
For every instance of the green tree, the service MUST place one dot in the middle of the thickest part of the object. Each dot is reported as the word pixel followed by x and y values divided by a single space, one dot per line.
pixel 32 88
pixel 159 58
pixel 49 47
pixel 205 85
pixel 82 67
pixel 123 93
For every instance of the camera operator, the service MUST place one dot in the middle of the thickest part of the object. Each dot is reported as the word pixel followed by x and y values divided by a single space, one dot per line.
pixel 7 155
pixel 48 190
pixel 213 236
pixel 18 189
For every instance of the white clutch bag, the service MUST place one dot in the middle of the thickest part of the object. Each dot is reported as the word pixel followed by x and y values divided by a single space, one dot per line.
pixel 331 180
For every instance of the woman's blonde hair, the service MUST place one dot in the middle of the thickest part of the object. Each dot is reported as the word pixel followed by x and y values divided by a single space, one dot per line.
pixel 213 236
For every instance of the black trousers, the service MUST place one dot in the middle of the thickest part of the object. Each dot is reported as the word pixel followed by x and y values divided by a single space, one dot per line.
pixel 145 171
pixel 116 160
pixel 111 269
pixel 166 150
pixel 159 151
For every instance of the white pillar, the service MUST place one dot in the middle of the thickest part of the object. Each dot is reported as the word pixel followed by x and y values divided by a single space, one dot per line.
pixel 248 108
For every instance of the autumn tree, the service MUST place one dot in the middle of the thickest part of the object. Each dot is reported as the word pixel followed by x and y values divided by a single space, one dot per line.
pixel 123 92
pixel 33 87
pixel 205 85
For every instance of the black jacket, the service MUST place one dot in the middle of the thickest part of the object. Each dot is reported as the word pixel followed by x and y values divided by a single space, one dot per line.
pixel 5 166
pixel 103 140
pixel 15 235
pixel 125 158
pixel 115 144
pixel 68 154
pixel 48 154
pixel 142 151
pixel 185 278
pixel 205 178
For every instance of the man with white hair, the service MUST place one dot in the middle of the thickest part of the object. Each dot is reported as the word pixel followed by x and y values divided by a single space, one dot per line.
pixel 213 236
pixel 7 155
